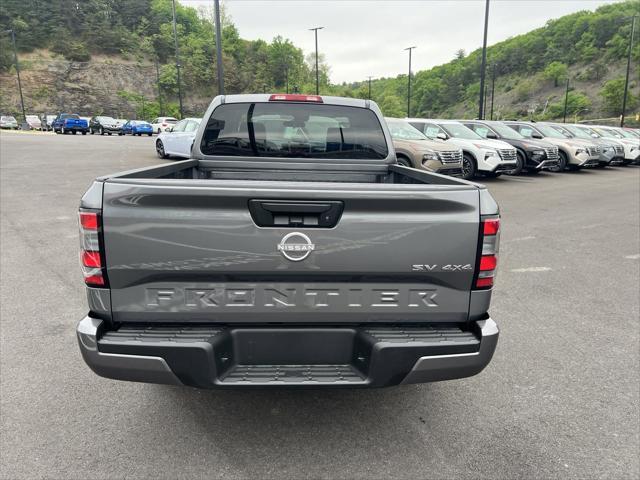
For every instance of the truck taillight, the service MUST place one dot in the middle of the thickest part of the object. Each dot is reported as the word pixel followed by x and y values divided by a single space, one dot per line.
pixel 295 97
pixel 91 258
pixel 488 261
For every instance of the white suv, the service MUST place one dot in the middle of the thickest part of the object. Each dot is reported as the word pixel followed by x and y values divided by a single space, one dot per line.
pixel 480 155
pixel 163 124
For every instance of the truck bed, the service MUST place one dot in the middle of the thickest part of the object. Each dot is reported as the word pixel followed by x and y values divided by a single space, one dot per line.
pixel 232 169
pixel 188 242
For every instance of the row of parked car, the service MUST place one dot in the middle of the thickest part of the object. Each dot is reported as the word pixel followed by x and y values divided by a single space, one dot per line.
pixel 471 148
pixel 99 124
pixel 465 148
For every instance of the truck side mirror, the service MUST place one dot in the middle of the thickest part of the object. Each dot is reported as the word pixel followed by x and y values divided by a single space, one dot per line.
pixel 492 135
pixel 536 135
pixel 441 136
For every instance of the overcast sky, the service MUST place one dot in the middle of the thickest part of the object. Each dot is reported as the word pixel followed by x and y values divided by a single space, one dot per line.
pixel 365 37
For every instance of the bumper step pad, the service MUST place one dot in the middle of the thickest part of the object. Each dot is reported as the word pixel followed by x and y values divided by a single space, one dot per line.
pixel 300 374
pixel 212 356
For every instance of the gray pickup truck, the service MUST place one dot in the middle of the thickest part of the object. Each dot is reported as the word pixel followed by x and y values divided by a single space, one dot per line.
pixel 290 251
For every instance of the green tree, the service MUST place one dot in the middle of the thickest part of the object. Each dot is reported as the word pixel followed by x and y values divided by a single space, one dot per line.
pixel 556 71
pixel 577 103
pixel 612 94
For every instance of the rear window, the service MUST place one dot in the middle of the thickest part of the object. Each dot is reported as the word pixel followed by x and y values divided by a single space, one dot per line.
pixel 69 115
pixel 294 130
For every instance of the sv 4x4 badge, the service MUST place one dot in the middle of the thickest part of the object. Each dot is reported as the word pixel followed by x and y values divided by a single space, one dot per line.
pixel 444 268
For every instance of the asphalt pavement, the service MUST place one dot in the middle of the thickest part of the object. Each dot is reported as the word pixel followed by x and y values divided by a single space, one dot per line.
pixel 559 400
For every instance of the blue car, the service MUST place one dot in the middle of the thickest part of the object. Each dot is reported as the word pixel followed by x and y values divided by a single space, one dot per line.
pixel 137 127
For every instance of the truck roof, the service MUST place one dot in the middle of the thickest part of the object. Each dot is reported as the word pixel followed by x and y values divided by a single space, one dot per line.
pixel 265 97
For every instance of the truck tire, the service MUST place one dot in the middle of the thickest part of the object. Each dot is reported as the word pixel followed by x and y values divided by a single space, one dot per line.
pixel 101 130
pixel 149 134
pixel 73 132
pixel 160 149
pixel 84 132
pixel 91 131
pixel 469 167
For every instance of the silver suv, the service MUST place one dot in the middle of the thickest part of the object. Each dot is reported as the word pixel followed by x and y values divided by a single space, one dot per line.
pixel 415 149
pixel 573 153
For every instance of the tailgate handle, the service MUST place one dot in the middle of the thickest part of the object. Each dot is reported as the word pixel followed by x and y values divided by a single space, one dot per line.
pixel 307 214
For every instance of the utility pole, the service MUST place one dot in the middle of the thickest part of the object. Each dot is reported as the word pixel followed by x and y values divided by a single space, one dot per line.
pixel 369 87
pixel 484 61
pixel 219 66
pixel 286 77
pixel 158 86
pixel 15 60
pixel 315 30
pixel 626 82
pixel 486 94
pixel 409 83
pixel 175 37
pixel 493 88
pixel 566 100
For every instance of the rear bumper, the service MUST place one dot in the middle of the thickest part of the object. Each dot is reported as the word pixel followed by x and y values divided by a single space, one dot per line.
pixel 208 356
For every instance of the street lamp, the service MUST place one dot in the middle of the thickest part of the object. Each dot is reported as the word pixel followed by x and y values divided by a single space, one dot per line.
pixel 493 88
pixel 566 100
pixel 175 38
pixel 409 83
pixel 219 65
pixel 484 60
pixel 626 81
pixel 158 86
pixel 369 87
pixel 15 59
pixel 315 30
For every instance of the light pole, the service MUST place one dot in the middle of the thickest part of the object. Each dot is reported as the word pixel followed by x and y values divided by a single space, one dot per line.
pixel 158 85
pixel 315 30
pixel 409 83
pixel 369 87
pixel 175 37
pixel 493 88
pixel 15 60
pixel 219 66
pixel 484 60
pixel 566 100
pixel 626 81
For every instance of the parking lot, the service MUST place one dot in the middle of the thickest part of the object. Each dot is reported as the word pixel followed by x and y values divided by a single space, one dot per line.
pixel 559 400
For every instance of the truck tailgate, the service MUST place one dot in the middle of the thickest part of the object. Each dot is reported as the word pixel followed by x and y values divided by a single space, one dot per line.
pixel 192 252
